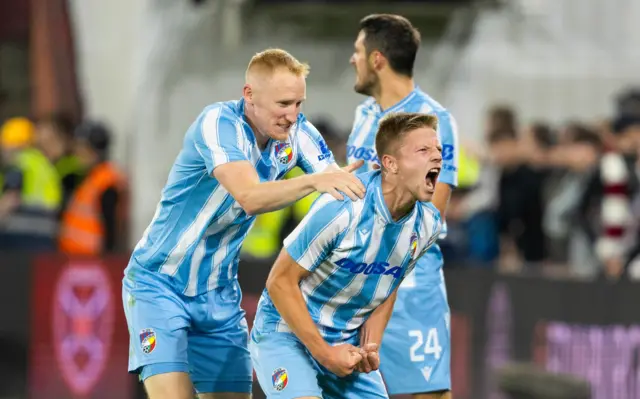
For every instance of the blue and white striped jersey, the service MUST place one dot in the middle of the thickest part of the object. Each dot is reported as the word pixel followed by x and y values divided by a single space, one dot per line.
pixel 198 228
pixel 361 145
pixel 362 140
pixel 357 256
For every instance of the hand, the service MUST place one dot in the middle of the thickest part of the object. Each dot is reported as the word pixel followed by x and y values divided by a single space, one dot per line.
pixel 341 359
pixel 335 181
pixel 370 358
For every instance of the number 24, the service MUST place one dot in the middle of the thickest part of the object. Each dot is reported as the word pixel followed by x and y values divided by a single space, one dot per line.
pixel 431 347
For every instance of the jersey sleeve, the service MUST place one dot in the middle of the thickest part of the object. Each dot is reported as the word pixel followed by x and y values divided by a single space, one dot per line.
pixel 448 134
pixel 313 153
pixel 318 233
pixel 219 139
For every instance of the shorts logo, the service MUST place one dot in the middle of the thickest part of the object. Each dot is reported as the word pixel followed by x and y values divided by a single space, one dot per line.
pixel 413 244
pixel 284 153
pixel 148 340
pixel 280 379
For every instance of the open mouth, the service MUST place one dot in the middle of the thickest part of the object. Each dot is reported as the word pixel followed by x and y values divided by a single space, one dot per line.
pixel 432 178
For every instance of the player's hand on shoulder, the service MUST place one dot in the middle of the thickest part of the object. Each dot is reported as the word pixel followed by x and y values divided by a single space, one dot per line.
pixel 342 359
pixel 370 358
pixel 336 181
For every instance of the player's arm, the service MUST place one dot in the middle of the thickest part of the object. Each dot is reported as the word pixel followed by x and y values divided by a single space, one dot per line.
pixel 304 250
pixel 283 286
pixel 448 179
pixel 222 145
pixel 373 329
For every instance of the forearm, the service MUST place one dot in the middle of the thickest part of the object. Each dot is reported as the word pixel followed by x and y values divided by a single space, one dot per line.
pixel 271 196
pixel 373 329
pixel 287 298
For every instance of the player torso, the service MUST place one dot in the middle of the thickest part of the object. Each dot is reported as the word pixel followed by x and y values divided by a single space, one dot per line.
pixel 370 260
pixel 198 227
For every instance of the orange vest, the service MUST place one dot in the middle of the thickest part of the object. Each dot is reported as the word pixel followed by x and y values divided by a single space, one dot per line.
pixel 82 230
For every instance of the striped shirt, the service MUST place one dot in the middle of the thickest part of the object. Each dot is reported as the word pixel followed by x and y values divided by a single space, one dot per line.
pixel 361 145
pixel 357 255
pixel 198 227
pixel 362 140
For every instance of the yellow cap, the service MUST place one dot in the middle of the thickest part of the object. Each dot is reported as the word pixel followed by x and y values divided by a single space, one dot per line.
pixel 16 132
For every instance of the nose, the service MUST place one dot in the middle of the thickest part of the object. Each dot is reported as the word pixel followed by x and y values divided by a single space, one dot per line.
pixel 352 60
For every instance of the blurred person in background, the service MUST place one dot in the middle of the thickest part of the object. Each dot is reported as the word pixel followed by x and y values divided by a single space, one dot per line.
pixel 574 160
pixel 519 201
pixel 605 208
pixel 54 137
pixel 474 209
pixel 384 56
pixel 31 192
pixel 94 221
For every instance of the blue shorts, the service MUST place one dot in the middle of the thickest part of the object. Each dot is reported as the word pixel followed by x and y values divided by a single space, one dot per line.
pixel 415 355
pixel 286 370
pixel 205 336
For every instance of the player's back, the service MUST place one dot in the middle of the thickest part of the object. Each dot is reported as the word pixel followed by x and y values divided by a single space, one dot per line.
pixel 198 227
pixel 361 142
pixel 357 256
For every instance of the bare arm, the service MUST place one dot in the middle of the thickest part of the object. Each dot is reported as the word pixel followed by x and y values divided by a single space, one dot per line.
pixel 243 183
pixel 284 290
pixel 373 329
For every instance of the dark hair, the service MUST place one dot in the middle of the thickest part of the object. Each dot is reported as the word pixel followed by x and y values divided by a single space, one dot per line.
pixel 394 37
pixel 543 135
pixel 61 122
pixel 395 125
pixel 503 134
pixel 502 117
pixel 584 135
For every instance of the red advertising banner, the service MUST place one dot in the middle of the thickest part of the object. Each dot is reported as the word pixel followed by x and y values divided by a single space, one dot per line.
pixel 79 339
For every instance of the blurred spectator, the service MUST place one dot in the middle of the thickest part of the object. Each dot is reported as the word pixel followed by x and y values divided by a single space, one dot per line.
pixel 520 201
pixel 54 137
pixel 94 221
pixel 574 159
pixel 31 193
pixel 605 207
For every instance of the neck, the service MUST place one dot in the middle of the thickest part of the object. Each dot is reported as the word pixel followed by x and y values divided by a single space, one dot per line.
pixel 393 88
pixel 399 202
pixel 261 138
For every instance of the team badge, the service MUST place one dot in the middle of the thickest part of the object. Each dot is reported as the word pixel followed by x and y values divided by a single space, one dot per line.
pixel 148 340
pixel 280 379
pixel 413 244
pixel 284 153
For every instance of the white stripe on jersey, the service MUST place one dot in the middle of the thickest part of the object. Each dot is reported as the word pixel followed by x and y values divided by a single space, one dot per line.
pixel 198 228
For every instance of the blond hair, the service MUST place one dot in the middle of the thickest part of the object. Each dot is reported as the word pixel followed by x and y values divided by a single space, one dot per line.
pixel 395 125
pixel 271 59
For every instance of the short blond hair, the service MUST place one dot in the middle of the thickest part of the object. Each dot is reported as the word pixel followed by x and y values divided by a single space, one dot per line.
pixel 271 59
pixel 394 126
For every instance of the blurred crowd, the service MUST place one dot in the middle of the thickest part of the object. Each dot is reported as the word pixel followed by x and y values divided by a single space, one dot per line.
pixel 560 199
pixel 59 190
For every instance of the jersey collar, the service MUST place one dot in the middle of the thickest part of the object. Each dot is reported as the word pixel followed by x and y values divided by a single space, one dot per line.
pixel 381 205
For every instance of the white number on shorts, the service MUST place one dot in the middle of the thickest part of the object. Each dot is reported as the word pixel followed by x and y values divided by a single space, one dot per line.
pixel 431 347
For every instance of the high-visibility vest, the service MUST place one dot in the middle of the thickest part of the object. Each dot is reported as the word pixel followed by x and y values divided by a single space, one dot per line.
pixel 40 197
pixel 82 230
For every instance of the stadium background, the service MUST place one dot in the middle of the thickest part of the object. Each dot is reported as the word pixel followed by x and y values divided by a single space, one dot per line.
pixel 565 69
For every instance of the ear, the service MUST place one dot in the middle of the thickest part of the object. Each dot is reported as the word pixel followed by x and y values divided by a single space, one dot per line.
pixel 389 163
pixel 377 60
pixel 247 93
